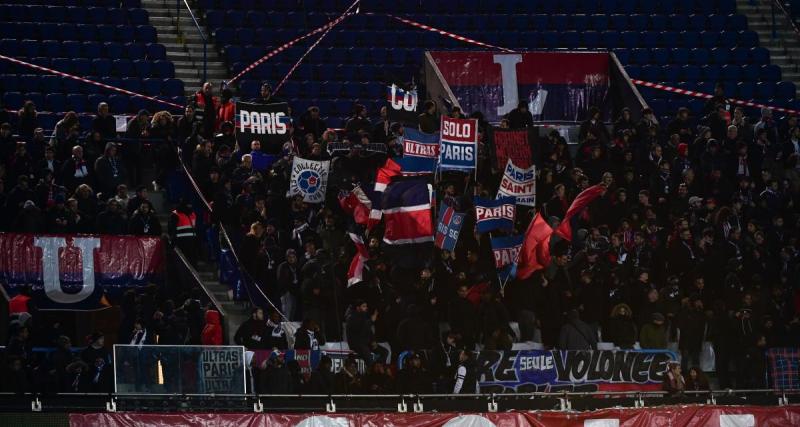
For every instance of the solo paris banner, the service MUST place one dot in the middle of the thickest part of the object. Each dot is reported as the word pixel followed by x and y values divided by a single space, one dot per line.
pixel 459 142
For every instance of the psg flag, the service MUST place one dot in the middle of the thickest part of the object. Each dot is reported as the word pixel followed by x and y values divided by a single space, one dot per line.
pixel 495 214
pixel 401 104
pixel 407 213
pixel 420 153
pixel 448 227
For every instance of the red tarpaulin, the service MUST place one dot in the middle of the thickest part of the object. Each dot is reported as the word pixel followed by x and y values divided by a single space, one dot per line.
pixel 673 416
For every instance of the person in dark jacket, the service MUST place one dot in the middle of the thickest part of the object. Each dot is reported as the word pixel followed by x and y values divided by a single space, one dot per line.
pixel 143 222
pixel 275 377
pixel 520 117
pixel 101 371
pixel 621 329
pixel 463 317
pixel 104 123
pixel 576 334
pixel 277 336
pixel 308 336
pixel 138 128
pixel 253 333
pixel 466 375
pixel 347 380
pixel 111 221
pixel 321 381
pixel 692 324
pixel 110 171
pixel 414 377
pixel 359 330
pixel 428 120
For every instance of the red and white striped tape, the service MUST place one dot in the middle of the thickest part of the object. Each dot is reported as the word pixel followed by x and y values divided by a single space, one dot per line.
pixel 446 33
pixel 85 80
pixel 291 43
pixel 707 96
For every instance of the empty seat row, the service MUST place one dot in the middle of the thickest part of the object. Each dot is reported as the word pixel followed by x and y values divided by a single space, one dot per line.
pixel 101 67
pixel 76 49
pixel 79 32
pixel 297 88
pixel 57 102
pixel 473 6
pixel 84 15
pixel 527 39
pixel 558 22
pixel 696 56
pixel 125 4
pixel 362 73
pixel 742 90
pixel 712 73
pixel 234 53
pixel 58 84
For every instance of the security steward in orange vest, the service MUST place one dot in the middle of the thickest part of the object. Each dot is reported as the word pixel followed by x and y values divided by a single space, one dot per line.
pixel 183 230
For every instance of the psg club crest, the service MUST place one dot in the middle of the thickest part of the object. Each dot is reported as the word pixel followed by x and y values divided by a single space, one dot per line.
pixel 309 179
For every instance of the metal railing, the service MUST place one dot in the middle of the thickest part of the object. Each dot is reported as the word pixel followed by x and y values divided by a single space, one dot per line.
pixel 199 31
pixel 193 272
pixel 777 4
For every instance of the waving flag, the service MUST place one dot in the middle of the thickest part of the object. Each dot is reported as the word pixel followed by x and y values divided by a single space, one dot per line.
pixel 355 273
pixel 363 205
pixel 448 228
pixel 495 214
pixel 584 198
pixel 520 183
pixel 535 252
pixel 506 254
pixel 420 153
pixel 407 213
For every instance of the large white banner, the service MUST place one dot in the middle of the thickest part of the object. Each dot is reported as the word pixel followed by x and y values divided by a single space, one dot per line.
pixel 309 179
pixel 520 183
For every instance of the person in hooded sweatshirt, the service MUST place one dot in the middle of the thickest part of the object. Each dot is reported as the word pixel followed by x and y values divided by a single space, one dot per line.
pixel 212 331
pixel 253 332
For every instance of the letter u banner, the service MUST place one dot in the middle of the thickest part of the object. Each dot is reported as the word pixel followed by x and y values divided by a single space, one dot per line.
pixel 74 272
pixel 267 123
pixel 459 139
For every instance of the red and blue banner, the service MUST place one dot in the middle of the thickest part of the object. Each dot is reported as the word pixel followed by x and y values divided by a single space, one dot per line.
pixel 556 86
pixel 459 148
pixel 406 209
pixel 506 253
pixel 658 416
pixel 74 272
pixel 784 368
pixel 495 214
pixel 420 152
pixel 448 228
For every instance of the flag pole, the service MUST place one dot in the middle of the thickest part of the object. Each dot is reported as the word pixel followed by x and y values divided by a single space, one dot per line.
pixel 516 258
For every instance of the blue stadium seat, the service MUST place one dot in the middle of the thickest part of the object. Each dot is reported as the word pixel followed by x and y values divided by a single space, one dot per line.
pixel 62 64
pixel 746 90
pixel 623 55
pixel 96 15
pixel 101 67
pixel 618 22
pixel 72 86
pixel 122 68
pixel 748 38
pixel 558 23
pixel 82 67
pixel 678 22
pixel 116 17
pixel 660 55
pixel 697 22
pixel 133 84
pixel 599 22
pixel 36 97
pixel 29 83
pixel 770 73
pixel 215 19
pixel 156 51
pixel 785 90
pixel 152 86
pixel 736 23
pixel 29 48
pixel 731 73
pixel 95 99
pixel 76 102
pixel 590 39
pixel 164 69
pixel 750 73
pixel 146 34
pixel 651 73
pixel 135 50
pixel 640 56
pixel 658 23
pixel 68 32
pixel 759 55
pixel 12 100
pixel 138 16
pixel 679 55
pixel 765 90
pixel 690 73
pixel 142 67
pixel 740 55
pixel 629 38
pixel 56 102
pixel 720 55
pixel 711 73
pixel 728 39
pixel 91 50
pixel 172 87
pixel 71 49
pixel 118 103
pixel 638 22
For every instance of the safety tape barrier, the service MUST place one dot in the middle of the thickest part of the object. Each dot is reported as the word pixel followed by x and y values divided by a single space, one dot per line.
pixel 444 33
pixel 291 43
pixel 697 94
pixel 85 80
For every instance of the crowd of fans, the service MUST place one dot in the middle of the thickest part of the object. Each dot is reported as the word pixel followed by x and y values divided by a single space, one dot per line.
pixel 693 241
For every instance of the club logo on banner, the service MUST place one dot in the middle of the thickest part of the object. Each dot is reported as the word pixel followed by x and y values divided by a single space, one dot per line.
pixel 506 253
pixel 520 183
pixel 309 179
pixel 448 227
pixel 459 141
pixel 267 123
pixel 420 152
pixel 512 144
pixel 68 272
pixel 495 214
pixel 401 104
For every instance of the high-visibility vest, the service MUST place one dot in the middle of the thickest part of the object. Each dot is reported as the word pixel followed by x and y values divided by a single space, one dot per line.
pixel 185 225
pixel 18 304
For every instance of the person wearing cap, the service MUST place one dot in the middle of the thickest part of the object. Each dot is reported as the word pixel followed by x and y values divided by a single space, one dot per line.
pixel 414 377
pixel 654 334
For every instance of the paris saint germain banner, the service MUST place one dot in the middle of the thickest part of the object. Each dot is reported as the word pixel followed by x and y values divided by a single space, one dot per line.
pixel 420 152
pixel 519 183
pixel 459 142
pixel 401 104
pixel 74 272
pixel 448 227
pixel 506 254
pixel 309 179
pixel 494 214
pixel 267 123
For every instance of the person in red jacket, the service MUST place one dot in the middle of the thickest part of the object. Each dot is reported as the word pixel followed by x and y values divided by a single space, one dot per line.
pixel 212 332
pixel 226 109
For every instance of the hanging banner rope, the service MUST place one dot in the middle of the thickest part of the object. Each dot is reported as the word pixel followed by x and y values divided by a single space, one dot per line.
pixel 291 43
pixel 708 96
pixel 85 80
